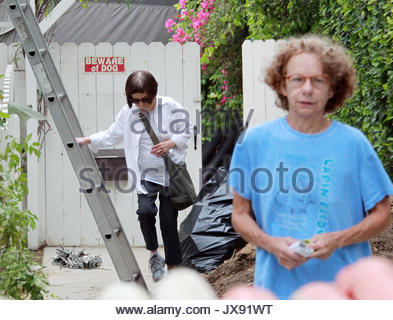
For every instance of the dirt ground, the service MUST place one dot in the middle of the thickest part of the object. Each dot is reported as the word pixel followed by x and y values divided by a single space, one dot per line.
pixel 240 268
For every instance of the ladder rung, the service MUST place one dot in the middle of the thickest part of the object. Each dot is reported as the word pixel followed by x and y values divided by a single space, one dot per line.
pixel 13 7
pixel 52 99
pixel 70 145
pixel 98 187
pixel 116 232
pixel 32 53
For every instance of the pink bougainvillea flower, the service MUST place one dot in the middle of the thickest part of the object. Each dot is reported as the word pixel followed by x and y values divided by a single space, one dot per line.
pixel 204 66
pixel 182 3
pixel 223 100
pixel 205 4
pixel 197 39
pixel 180 32
pixel 175 38
pixel 196 25
pixel 169 23
pixel 180 36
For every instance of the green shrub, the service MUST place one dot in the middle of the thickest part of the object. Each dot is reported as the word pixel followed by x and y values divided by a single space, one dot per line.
pixel 20 276
pixel 366 29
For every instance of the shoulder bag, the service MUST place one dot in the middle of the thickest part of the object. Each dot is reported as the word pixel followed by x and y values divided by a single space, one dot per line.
pixel 181 188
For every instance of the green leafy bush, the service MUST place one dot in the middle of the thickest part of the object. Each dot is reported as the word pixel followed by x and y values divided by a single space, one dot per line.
pixel 279 19
pixel 366 29
pixel 20 276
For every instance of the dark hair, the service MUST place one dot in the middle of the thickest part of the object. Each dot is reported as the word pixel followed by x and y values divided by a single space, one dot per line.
pixel 139 82
pixel 336 62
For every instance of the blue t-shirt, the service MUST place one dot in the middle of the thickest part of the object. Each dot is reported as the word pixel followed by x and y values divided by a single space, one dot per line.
pixel 303 184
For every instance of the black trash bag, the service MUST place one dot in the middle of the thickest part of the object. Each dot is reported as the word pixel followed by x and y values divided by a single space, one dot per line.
pixel 207 237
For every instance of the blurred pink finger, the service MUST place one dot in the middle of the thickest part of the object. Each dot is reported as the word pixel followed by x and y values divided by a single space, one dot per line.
pixel 248 293
pixel 318 291
pixel 369 278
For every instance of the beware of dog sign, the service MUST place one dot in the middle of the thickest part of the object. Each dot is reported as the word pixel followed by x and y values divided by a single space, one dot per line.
pixel 104 64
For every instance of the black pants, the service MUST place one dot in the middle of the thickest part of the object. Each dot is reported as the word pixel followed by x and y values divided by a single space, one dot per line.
pixel 147 211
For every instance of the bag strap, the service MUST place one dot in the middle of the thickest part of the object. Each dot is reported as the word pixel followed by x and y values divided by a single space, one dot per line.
pixel 148 128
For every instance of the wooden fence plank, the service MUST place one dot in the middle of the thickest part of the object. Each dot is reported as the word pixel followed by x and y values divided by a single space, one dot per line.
pixel 174 71
pixel 105 105
pixel 119 79
pixel 259 94
pixel 138 57
pixel 192 103
pixel 156 62
pixel 72 196
pixel 248 76
pixel 88 120
pixel 54 175
pixel 3 58
pixel 104 90
pixel 124 204
pixel 257 56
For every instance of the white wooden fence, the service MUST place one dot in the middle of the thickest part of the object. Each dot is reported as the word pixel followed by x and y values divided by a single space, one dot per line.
pixel 258 97
pixel 12 126
pixel 64 217
pixel 12 60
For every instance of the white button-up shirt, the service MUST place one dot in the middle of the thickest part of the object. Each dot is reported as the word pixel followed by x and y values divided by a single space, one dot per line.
pixel 173 123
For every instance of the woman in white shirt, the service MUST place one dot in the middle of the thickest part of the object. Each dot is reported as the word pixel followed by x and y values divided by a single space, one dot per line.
pixel 145 163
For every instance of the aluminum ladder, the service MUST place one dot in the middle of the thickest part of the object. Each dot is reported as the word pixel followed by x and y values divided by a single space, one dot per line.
pixel 68 127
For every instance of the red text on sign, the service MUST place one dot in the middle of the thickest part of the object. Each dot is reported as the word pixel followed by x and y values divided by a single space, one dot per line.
pixel 104 64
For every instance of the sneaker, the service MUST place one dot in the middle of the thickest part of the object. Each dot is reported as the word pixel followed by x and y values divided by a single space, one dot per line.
pixel 156 264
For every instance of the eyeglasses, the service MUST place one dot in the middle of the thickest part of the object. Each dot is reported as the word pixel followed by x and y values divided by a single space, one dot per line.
pixel 296 81
pixel 136 101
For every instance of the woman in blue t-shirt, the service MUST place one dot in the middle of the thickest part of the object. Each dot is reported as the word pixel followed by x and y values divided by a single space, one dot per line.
pixel 316 186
